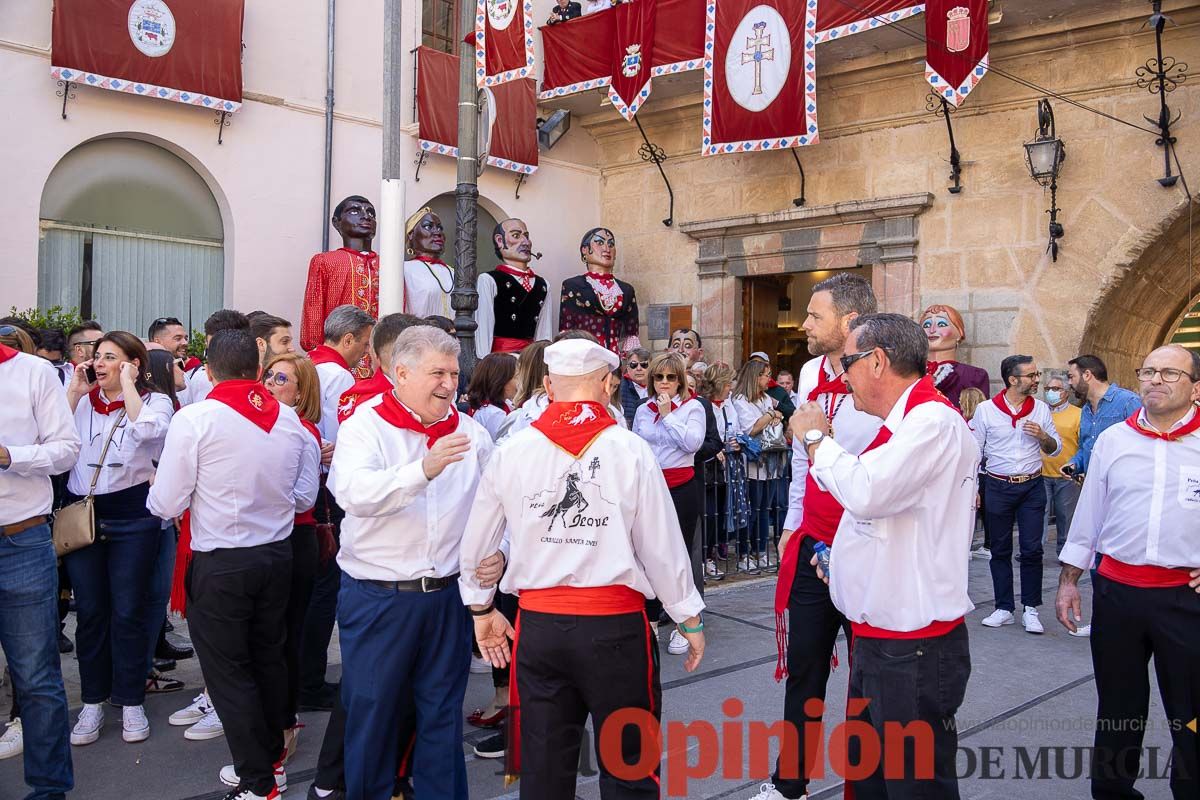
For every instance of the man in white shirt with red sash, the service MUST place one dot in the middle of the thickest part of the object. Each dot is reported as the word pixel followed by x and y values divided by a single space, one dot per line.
pixel 806 636
pixel 594 534
pixel 245 466
pixel 405 471
pixel 347 337
pixel 899 562
pixel 1140 509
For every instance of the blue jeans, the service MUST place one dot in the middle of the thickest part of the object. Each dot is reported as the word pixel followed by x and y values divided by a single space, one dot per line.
pixel 29 636
pixel 1024 504
pixel 1062 494
pixel 111 579
pixel 159 593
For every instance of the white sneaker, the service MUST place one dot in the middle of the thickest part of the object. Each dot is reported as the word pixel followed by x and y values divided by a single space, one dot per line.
pixel 1082 631
pixel 678 644
pixel 87 727
pixel 200 706
pixel 768 792
pixel 480 667
pixel 135 726
pixel 999 617
pixel 229 777
pixel 12 743
pixel 710 569
pixel 207 727
pixel 1031 622
pixel 982 552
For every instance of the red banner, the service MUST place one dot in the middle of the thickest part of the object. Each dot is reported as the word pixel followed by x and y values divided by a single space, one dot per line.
pixel 511 114
pixel 503 40
pixel 629 86
pixel 838 18
pixel 956 46
pixel 760 87
pixel 187 51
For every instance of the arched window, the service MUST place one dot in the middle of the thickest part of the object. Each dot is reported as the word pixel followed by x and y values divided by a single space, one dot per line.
pixel 130 232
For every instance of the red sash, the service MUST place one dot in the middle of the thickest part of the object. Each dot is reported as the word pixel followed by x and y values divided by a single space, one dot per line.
pixel 391 410
pixel 1144 576
pixel 1183 430
pixel 360 392
pixel 1002 404
pixel 324 354
pixel 678 476
pixel 6 353
pixel 931 630
pixel 308 517
pixel 506 344
pixel 574 426
pixel 250 399
pixel 101 407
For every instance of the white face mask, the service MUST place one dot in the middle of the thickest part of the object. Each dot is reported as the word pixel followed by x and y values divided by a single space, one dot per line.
pixel 1054 396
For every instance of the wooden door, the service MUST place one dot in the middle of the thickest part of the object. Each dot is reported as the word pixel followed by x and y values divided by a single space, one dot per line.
pixel 760 317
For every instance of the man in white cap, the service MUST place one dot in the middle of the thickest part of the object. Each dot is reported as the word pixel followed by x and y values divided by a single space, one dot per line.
pixel 593 535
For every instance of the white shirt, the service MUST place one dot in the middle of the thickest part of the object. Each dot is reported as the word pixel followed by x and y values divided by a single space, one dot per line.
pixel 728 424
pixel 1140 502
pixel 197 388
pixel 485 316
pixel 491 418
pixel 899 560
pixel 335 380
pixel 135 447
pixel 853 430
pixel 749 413
pixel 592 6
pixel 400 525
pixel 37 430
pixel 627 534
pixel 1008 449
pixel 243 485
pixel 675 438
pixel 427 289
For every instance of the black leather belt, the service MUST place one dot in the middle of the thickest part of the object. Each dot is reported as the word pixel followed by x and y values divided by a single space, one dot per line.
pixel 418 585
pixel 1014 478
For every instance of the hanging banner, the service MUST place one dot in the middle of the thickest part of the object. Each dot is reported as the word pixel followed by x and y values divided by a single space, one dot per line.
pixel 629 86
pixel 503 40
pixel 186 51
pixel 760 84
pixel 956 46
pixel 511 114
pixel 839 18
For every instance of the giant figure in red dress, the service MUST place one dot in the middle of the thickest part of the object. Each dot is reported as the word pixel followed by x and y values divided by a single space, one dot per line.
pixel 596 301
pixel 943 325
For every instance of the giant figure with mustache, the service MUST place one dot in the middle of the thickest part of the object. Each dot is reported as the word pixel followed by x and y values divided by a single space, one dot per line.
pixel 513 311
pixel 596 301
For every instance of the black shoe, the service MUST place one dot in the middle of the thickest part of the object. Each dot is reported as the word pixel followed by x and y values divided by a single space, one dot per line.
pixel 321 700
pixel 168 650
pixel 157 683
pixel 491 747
pixel 65 645
pixel 336 794
pixel 164 664
pixel 167 626
pixel 404 789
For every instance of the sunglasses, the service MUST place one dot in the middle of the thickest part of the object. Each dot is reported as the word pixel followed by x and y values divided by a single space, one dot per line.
pixel 166 321
pixel 8 330
pixel 638 364
pixel 850 358
pixel 662 376
pixel 277 378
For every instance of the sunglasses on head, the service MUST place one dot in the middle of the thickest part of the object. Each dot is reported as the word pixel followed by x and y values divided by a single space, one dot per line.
pixel 8 330
pixel 662 376
pixel 277 378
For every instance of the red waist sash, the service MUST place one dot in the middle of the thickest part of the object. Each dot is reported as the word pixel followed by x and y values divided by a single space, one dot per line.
pixel 505 344
pixel 939 628
pixel 678 476
pixel 1143 576
pixel 590 601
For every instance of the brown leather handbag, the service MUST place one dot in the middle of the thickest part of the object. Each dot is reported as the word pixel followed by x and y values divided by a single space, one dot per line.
pixel 75 525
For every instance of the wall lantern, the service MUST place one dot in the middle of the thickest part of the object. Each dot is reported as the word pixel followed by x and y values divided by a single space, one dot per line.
pixel 1044 157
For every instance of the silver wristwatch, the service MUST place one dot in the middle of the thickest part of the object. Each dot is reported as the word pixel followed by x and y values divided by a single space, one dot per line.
pixel 812 437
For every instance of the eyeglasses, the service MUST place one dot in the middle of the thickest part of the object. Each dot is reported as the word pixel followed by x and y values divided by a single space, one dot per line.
pixel 850 358
pixel 638 364
pixel 662 376
pixel 1031 375
pixel 277 378
pixel 1168 374
pixel 92 343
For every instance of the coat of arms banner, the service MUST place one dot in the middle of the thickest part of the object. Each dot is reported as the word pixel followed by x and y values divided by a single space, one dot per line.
pixel 503 40
pixel 632 56
pixel 956 42
pixel 186 51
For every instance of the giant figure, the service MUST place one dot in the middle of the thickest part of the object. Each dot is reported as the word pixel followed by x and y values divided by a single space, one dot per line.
pixel 428 280
pixel 596 301
pixel 513 311
pixel 944 327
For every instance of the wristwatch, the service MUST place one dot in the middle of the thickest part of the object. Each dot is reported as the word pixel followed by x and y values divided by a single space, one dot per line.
pixel 811 438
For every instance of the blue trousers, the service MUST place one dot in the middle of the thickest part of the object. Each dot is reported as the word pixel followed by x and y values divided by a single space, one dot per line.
pixel 1024 504
pixel 111 579
pixel 29 636
pixel 1062 495
pixel 394 643
pixel 159 593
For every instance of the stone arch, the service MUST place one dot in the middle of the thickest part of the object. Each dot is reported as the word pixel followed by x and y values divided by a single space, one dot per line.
pixel 1142 303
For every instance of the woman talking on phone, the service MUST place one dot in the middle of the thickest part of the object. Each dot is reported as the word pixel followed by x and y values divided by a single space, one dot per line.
pixel 122 423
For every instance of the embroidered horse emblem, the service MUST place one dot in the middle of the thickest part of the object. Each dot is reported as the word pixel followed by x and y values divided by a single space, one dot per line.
pixel 586 414
pixel 572 499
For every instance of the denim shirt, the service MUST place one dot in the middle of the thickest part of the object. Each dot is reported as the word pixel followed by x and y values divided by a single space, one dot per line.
pixel 1115 407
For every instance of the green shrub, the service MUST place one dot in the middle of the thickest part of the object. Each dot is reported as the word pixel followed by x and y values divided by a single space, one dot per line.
pixel 53 317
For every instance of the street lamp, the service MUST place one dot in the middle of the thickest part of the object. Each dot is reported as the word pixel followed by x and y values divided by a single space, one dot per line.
pixel 1044 157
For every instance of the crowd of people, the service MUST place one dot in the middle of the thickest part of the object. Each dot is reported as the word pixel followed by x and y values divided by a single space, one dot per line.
pixel 441 521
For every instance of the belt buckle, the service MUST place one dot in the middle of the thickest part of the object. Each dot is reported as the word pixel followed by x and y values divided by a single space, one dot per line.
pixel 425 588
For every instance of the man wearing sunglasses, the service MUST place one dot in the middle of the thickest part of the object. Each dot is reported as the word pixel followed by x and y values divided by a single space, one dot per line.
pixel 1014 430
pixel 633 383
pixel 82 340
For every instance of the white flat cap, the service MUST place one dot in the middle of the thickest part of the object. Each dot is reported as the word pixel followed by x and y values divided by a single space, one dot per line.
pixel 759 354
pixel 578 357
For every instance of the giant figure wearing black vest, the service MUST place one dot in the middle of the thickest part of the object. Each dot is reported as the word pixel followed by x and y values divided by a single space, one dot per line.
pixel 513 311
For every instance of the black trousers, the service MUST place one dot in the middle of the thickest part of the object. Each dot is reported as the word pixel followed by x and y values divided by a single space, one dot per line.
pixel 813 624
pixel 507 605
pixel 237 614
pixel 322 605
pixel 304 573
pixel 567 668
pixel 1129 625
pixel 1024 504
pixel 909 681
pixel 688 499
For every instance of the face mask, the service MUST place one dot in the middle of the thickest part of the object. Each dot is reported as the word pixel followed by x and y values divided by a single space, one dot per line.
pixel 1054 397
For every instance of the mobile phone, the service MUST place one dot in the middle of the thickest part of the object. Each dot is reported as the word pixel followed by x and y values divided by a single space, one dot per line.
pixel 90 374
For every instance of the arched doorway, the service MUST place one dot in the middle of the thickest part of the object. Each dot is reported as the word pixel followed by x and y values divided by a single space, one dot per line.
pixel 130 232
pixel 1187 331
pixel 1145 306
pixel 487 217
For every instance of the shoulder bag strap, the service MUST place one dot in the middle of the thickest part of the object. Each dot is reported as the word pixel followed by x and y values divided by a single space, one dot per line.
pixel 100 464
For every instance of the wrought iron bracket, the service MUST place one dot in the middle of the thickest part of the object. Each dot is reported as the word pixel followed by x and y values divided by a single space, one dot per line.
pixel 66 92
pixel 1056 228
pixel 798 202
pixel 420 162
pixel 1161 75
pixel 520 180
pixel 656 155
pixel 222 122
pixel 940 107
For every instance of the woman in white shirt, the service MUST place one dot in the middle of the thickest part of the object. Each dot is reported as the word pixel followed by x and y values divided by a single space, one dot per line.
pixel 672 421
pixel 760 420
pixel 112 577
pixel 727 508
pixel 491 390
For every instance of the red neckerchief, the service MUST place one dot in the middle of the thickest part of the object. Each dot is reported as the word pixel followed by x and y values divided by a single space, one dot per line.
pixel 393 411
pixel 369 254
pixel 771 384
pixel 362 390
pixel 933 366
pixel 525 276
pixel 324 354
pixel 101 407
pixel 6 353
pixel 250 399
pixel 675 404
pixel 429 259
pixel 923 392
pixel 605 279
pixel 308 426
pixel 574 426
pixel 191 363
pixel 835 385
pixel 1002 404
pixel 1190 426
